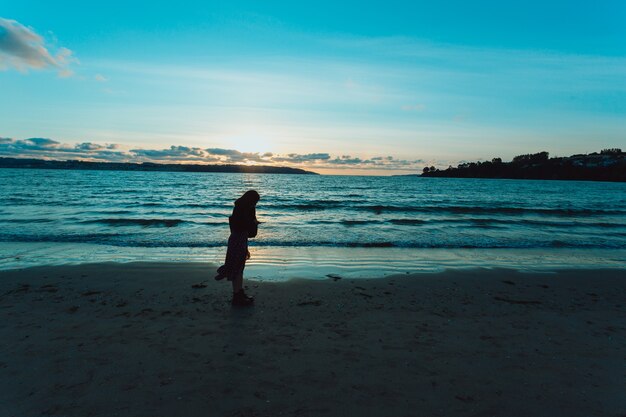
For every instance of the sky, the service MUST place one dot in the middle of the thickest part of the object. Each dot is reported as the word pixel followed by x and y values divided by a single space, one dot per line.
pixel 335 87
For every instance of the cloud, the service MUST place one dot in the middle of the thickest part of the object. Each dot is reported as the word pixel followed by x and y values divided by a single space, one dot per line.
pixel 88 146
pixel 174 153
pixel 23 49
pixel 348 160
pixel 100 78
pixel 298 158
pixel 325 160
pixel 52 149
pixel 36 144
pixel 217 155
pixel 226 152
pixel 237 156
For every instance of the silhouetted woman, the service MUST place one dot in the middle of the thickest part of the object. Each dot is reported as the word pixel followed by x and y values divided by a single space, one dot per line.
pixel 243 224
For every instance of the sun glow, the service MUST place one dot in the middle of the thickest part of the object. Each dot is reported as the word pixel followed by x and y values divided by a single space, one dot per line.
pixel 249 140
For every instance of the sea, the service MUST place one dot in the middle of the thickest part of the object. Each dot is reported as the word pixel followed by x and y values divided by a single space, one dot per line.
pixel 351 225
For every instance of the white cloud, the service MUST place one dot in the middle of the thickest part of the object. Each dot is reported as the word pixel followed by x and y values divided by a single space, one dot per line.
pixel 21 48
pixel 174 153
pixel 301 158
pixel 52 149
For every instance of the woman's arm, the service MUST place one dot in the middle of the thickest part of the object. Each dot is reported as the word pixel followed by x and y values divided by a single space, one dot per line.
pixel 253 223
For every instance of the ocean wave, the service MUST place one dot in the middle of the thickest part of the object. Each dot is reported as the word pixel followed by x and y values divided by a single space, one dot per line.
pixel 358 222
pixel 107 212
pixel 309 205
pixel 114 222
pixel 408 222
pixel 549 223
pixel 130 240
pixel 97 238
pixel 118 191
pixel 474 222
pixel 499 210
pixel 345 222
pixel 147 204
pixel 17 200
pixel 370 245
pixel 200 205
pixel 484 224
pixel 379 209
pixel 35 201
pixel 138 222
pixel 26 221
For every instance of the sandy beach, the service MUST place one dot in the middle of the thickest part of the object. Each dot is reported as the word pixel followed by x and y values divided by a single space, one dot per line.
pixel 148 339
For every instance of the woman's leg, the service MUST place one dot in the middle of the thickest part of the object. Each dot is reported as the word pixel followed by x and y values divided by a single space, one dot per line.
pixel 237 282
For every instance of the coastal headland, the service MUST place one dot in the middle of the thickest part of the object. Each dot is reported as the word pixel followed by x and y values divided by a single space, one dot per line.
pixel 606 165
pixel 147 166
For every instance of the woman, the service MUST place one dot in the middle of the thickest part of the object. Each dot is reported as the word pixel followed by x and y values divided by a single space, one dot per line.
pixel 243 224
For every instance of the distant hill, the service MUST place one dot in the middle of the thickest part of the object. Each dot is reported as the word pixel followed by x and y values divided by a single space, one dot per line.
pixel 608 165
pixel 146 166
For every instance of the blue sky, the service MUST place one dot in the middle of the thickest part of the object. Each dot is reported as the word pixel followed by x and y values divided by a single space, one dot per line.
pixel 376 87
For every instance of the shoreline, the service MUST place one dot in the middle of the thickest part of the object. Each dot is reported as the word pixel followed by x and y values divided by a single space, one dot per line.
pixel 140 339
pixel 281 263
pixel 259 274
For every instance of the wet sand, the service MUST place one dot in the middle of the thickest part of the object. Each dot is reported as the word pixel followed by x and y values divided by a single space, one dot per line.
pixel 147 339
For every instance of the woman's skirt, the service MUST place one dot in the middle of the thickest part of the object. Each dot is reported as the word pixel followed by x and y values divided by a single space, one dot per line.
pixel 235 256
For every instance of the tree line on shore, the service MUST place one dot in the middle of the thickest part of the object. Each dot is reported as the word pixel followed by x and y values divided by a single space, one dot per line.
pixel 146 166
pixel 607 165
